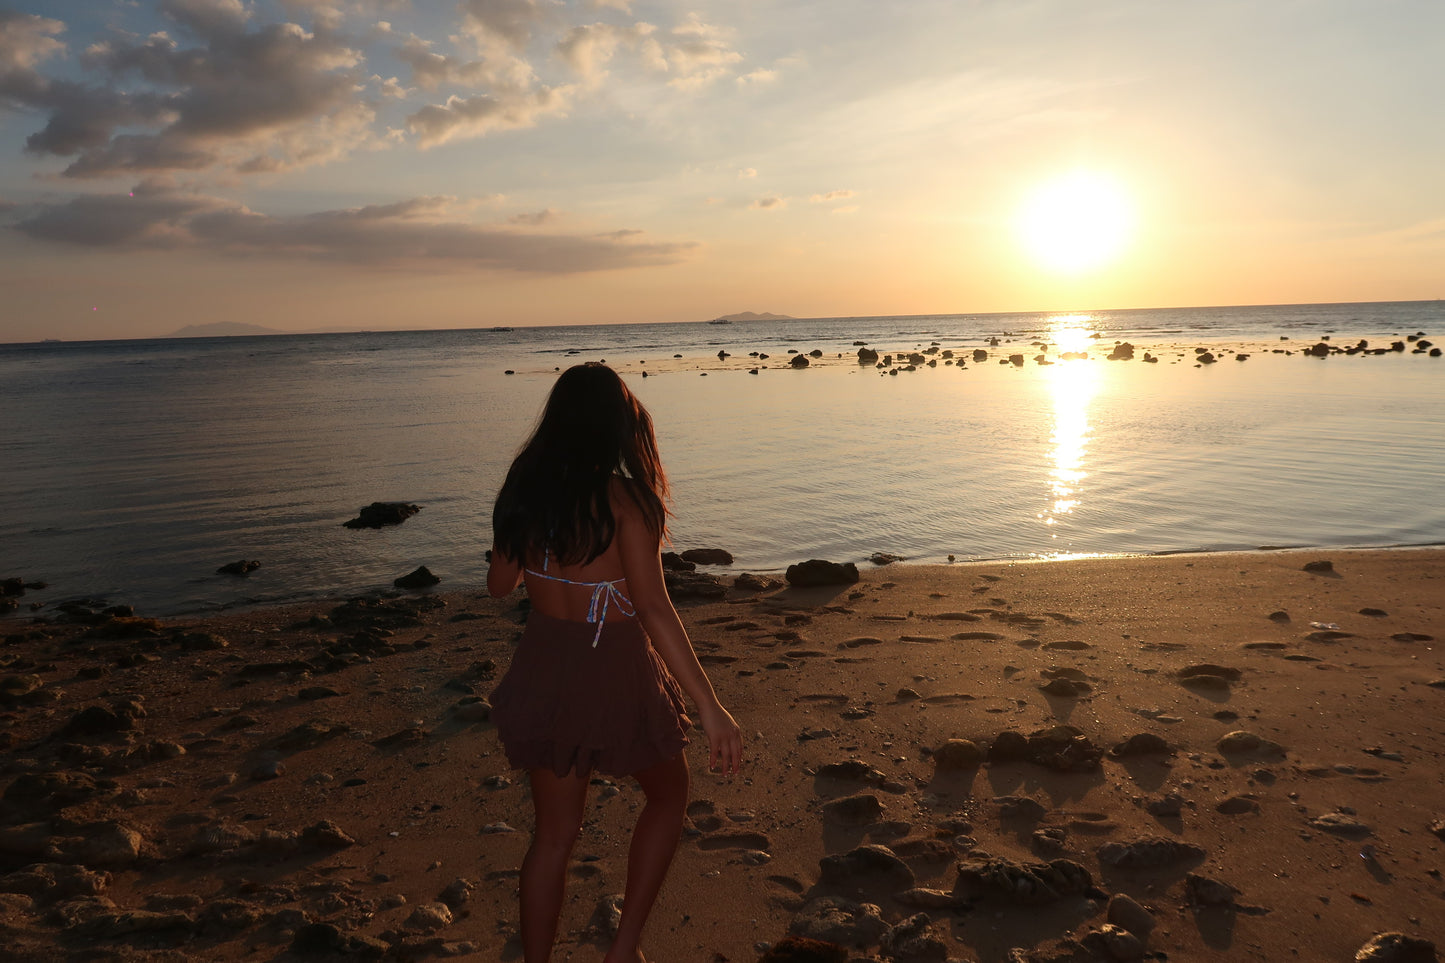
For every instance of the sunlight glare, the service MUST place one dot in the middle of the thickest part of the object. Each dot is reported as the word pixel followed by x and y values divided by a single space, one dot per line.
pixel 1076 223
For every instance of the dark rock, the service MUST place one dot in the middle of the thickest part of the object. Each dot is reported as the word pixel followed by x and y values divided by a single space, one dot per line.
pixel 708 556
pixel 1341 824
pixel 913 941
pixel 379 514
pixel 1064 749
pixel 751 582
pixel 859 810
pixel 1149 852
pixel 1029 883
pixel 1124 911
pixel 816 571
pixel 884 558
pixel 1205 357
pixel 673 562
pixel 309 735
pixel 870 864
pixel 697 585
pixel 44 792
pixel 1020 807
pixel 242 567
pixel 1322 565
pixel 1317 350
pixel 1396 948
pixel 834 919
pixel 867 356
pixel 1009 746
pixel 1123 351
pixel 957 754
pixel 933 899
pixel 122 717
pixel 799 361
pixel 798 949
pixel 419 579
pixel 1141 744
pixel 326 835
pixel 1204 891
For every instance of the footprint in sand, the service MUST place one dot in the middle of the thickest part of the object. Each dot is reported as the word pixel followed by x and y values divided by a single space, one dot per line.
pixel 755 841
pixel 920 639
pixel 954 617
pixel 1068 645
pixel 717 659
pixel 976 637
pixel 1265 646
pixel 1412 637
pixel 855 643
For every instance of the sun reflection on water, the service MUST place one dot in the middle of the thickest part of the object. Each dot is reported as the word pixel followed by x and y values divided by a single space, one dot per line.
pixel 1072 383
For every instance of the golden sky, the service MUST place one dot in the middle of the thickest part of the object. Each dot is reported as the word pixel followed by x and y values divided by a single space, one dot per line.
pixel 325 164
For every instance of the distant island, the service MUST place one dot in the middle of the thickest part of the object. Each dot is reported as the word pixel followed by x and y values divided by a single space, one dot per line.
pixel 222 329
pixel 754 316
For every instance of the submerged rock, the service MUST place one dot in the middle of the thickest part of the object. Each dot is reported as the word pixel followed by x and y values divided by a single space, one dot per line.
pixel 380 514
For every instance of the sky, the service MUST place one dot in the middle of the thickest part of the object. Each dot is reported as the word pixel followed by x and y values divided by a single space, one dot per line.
pixel 414 164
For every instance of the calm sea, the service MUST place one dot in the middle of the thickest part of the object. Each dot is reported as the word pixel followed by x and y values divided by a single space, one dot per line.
pixel 131 470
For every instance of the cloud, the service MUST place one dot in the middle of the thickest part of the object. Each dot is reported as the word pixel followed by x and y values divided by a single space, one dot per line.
pixel 769 203
pixel 747 172
pixel 430 70
pixel 757 77
pixel 415 232
pixel 461 118
pixel 536 218
pixel 693 54
pixel 832 196
pixel 239 99
pixel 699 53
pixel 506 22
pixel 589 48
pixel 25 41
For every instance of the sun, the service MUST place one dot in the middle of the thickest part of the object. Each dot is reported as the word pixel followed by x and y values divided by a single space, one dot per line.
pixel 1076 223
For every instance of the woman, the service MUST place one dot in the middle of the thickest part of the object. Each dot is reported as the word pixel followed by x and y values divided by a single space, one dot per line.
pixel 594 683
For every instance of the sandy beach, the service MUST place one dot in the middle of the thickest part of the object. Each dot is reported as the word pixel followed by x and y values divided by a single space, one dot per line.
pixel 1252 769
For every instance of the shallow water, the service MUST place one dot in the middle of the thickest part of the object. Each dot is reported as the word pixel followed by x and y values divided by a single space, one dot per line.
pixel 133 469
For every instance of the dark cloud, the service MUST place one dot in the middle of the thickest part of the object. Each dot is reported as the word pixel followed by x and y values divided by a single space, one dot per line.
pixel 408 233
pixel 245 99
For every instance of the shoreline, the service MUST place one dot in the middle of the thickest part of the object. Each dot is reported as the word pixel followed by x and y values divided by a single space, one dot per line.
pixel 322 776
pixel 36 609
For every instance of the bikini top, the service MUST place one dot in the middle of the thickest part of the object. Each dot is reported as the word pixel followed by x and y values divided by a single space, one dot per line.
pixel 603 595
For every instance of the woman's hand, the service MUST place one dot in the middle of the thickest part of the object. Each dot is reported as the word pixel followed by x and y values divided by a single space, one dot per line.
pixel 724 741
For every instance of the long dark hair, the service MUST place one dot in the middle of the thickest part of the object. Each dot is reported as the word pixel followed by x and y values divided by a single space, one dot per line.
pixel 555 498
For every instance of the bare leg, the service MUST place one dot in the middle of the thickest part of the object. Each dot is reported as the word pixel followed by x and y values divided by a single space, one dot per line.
pixel 557 802
pixel 654 841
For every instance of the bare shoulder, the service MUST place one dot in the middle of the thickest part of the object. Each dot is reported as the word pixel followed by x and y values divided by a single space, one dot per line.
pixel 622 493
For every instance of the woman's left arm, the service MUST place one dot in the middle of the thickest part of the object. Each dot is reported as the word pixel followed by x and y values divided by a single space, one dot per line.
pixel 503 574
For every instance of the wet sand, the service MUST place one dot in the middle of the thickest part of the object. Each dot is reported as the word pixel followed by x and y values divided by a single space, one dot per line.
pixel 292 782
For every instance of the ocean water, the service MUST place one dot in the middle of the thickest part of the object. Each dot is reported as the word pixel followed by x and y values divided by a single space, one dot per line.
pixel 131 470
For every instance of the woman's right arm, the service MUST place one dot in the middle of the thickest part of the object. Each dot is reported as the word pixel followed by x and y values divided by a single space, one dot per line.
pixel 642 565
pixel 503 574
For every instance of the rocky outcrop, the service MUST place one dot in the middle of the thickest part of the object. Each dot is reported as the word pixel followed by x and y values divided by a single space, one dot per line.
pixel 817 571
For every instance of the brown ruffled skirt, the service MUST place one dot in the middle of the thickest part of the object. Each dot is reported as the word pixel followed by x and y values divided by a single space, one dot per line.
pixel 567 706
